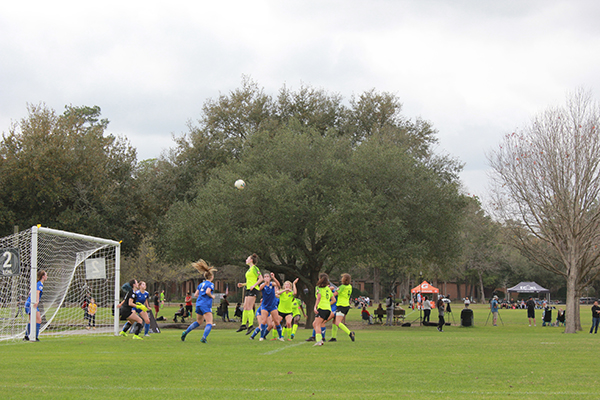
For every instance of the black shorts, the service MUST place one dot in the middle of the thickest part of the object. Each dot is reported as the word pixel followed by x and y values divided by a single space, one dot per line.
pixel 295 319
pixel 324 314
pixel 125 313
pixel 283 315
pixel 252 293
pixel 530 313
pixel 343 310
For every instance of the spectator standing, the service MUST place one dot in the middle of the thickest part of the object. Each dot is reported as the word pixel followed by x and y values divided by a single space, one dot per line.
pixel 188 303
pixel 91 311
pixel 441 308
pixel 426 309
pixel 595 317
pixel 225 309
pixel 389 309
pixel 531 310
pixel 494 310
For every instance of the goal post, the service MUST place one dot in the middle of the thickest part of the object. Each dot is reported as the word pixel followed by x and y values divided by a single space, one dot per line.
pixel 79 267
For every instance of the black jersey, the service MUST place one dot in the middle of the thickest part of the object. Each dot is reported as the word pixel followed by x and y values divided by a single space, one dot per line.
pixel 130 295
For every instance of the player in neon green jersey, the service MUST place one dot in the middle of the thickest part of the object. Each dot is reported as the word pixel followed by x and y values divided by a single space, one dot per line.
pixel 252 276
pixel 296 308
pixel 322 306
pixel 285 307
pixel 343 306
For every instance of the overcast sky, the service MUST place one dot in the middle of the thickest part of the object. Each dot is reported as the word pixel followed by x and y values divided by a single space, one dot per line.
pixel 475 69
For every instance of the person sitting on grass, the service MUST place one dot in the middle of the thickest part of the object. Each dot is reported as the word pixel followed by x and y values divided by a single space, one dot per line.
pixel 182 313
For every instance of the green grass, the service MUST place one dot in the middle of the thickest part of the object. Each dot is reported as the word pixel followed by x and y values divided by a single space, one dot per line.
pixel 484 362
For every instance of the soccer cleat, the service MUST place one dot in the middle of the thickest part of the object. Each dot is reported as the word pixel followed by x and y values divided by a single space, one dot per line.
pixel 261 339
pixel 252 337
pixel 26 338
pixel 123 333
pixel 318 343
pixel 241 328
pixel 293 335
pixel 136 337
pixel 352 335
pixel 183 335
pixel 203 340
pixel 311 339
pixel 281 339
pixel 250 330
pixel 332 340
pixel 37 340
pixel 146 335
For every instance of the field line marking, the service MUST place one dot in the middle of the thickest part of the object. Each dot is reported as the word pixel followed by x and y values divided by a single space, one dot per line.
pixel 282 348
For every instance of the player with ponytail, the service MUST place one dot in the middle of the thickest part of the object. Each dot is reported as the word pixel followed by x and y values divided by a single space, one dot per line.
pixel 205 296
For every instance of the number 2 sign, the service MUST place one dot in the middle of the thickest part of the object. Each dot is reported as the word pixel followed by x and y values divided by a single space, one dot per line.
pixel 9 262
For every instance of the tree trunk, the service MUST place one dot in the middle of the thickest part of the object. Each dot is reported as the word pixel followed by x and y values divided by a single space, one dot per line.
pixel 458 289
pixel 376 285
pixel 572 323
pixel 482 297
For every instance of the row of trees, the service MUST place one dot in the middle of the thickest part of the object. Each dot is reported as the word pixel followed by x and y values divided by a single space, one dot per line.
pixel 332 185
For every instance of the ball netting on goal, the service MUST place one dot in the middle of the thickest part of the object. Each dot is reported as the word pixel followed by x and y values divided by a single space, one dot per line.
pixel 80 268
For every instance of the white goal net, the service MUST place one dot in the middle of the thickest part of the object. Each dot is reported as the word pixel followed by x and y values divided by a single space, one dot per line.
pixel 79 268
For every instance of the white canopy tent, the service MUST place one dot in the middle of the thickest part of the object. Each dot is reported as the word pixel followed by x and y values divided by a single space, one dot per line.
pixel 529 287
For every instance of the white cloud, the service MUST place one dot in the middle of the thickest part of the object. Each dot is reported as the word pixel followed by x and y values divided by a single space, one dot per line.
pixel 475 69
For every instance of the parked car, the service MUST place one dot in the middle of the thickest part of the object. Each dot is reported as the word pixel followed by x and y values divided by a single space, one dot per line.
pixel 587 300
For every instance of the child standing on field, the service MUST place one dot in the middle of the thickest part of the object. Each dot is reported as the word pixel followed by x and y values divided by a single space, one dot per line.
pixel 91 310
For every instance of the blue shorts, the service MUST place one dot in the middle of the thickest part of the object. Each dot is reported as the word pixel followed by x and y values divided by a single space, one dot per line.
pixel 269 308
pixel 28 309
pixel 201 310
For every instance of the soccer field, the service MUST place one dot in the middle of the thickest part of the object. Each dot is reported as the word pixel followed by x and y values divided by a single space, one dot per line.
pixel 484 362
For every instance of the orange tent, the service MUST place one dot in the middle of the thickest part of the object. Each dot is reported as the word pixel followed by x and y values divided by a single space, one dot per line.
pixel 425 288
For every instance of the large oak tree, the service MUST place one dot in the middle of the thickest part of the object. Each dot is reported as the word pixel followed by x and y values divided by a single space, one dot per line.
pixel 328 186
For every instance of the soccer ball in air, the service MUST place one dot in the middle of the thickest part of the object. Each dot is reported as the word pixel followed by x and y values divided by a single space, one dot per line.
pixel 240 184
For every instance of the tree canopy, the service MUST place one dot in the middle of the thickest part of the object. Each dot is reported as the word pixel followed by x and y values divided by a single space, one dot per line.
pixel 327 186
pixel 65 172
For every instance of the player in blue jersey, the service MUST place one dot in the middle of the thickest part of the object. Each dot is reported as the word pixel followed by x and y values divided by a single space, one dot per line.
pixel 41 278
pixel 268 287
pixel 142 298
pixel 205 296
pixel 261 321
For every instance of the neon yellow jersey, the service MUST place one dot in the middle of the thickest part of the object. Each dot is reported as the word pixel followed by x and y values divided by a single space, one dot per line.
pixel 252 276
pixel 286 300
pixel 326 295
pixel 344 292
pixel 295 307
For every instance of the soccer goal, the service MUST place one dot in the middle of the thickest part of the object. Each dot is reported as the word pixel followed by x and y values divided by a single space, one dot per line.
pixel 79 267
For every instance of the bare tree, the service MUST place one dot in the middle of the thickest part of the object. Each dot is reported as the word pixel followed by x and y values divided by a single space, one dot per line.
pixel 546 181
